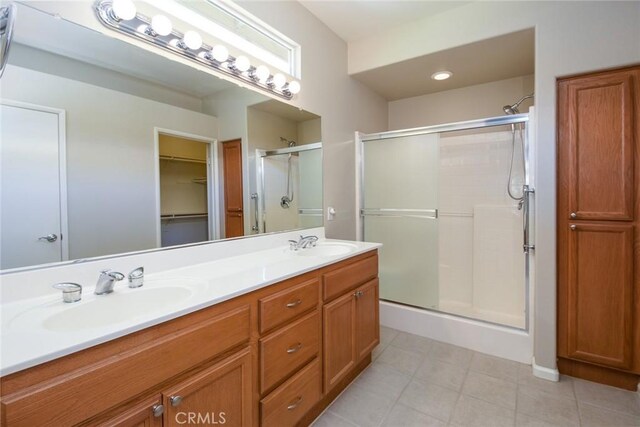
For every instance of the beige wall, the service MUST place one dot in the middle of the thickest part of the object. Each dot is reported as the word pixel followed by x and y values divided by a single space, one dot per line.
pixel 571 37
pixel 467 103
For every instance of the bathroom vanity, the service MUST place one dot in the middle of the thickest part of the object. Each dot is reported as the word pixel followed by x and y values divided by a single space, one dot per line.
pixel 251 350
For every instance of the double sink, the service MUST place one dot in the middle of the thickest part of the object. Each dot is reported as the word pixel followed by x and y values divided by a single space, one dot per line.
pixel 168 292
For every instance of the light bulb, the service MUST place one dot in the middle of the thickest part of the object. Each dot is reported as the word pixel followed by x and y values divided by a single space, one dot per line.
pixel 262 73
pixel 242 63
pixel 124 9
pixel 294 87
pixel 193 40
pixel 279 80
pixel 441 75
pixel 161 25
pixel 220 53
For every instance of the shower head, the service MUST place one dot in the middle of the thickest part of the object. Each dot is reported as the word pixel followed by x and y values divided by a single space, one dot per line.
pixel 513 109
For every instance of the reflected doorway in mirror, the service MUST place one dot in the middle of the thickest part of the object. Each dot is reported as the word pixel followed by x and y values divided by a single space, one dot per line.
pixel 186 188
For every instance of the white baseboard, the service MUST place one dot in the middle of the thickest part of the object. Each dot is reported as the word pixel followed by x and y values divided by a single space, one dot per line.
pixel 544 373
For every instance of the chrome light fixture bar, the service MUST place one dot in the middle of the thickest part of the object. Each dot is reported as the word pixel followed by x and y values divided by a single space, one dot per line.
pixel 121 16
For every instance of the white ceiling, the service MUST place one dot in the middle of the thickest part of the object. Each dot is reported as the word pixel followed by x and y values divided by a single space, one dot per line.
pixel 354 19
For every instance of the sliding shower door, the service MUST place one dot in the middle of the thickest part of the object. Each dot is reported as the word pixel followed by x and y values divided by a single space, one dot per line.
pixel 449 208
pixel 400 189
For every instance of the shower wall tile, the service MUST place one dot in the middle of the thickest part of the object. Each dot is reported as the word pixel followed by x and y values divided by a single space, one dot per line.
pixel 473 173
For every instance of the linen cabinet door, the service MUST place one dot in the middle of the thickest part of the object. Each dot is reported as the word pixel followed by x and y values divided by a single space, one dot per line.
pixel 597 128
pixel 367 318
pixel 339 339
pixel 220 394
pixel 600 294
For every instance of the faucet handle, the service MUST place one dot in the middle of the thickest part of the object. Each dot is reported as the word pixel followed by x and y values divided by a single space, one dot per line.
pixel 115 275
pixel 293 245
pixel 136 277
pixel 71 292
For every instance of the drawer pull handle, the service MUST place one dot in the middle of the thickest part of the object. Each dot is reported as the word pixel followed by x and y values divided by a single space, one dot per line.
pixel 295 404
pixel 175 400
pixel 295 348
pixel 294 303
pixel 157 410
pixel 572 227
pixel 573 215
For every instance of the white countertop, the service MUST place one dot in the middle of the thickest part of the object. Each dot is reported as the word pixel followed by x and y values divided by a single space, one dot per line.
pixel 26 341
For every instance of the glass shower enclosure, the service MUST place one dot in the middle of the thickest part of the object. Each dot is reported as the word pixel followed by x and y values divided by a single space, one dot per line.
pixel 451 205
pixel 290 188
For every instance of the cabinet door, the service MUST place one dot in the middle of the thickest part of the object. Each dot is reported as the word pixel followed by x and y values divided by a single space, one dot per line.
pixel 367 318
pixel 339 339
pixel 600 294
pixel 220 394
pixel 596 117
pixel 147 413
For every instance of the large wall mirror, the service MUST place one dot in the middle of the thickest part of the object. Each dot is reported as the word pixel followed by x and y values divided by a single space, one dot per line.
pixel 109 148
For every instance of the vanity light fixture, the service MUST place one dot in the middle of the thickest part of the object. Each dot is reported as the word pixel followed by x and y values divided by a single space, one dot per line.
pixel 122 16
pixel 441 75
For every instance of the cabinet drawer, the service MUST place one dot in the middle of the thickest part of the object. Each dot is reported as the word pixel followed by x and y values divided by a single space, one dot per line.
pixel 288 304
pixel 286 350
pixel 343 279
pixel 289 402
pixel 77 395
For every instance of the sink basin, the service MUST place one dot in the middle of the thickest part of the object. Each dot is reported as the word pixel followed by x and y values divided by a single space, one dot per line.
pixel 157 297
pixel 116 307
pixel 328 249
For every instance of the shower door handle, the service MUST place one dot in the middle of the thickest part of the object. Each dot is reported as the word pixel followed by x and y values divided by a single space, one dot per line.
pixel 526 193
pixel 256 226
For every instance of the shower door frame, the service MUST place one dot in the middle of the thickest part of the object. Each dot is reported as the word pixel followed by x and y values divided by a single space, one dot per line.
pixel 260 219
pixel 529 190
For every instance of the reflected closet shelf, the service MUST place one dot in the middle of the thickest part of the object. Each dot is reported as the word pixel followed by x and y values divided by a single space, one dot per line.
pixel 183 216
pixel 182 159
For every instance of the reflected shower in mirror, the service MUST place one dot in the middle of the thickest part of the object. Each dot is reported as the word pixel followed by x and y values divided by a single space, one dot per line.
pixel 107 147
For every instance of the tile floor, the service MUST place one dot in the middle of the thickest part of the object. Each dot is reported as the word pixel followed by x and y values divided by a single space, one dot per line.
pixel 414 381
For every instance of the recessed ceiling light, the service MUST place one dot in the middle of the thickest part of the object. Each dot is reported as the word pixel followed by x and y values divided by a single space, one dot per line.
pixel 441 75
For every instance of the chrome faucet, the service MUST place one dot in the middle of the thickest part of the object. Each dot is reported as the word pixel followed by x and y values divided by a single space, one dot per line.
pixel 106 281
pixel 303 243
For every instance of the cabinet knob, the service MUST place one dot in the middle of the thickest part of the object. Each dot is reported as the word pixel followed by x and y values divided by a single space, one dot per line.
pixel 573 215
pixel 294 348
pixel 572 227
pixel 157 410
pixel 294 303
pixel 358 294
pixel 175 400
pixel 295 404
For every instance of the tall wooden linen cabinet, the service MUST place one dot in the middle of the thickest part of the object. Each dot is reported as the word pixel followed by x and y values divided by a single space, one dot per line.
pixel 599 227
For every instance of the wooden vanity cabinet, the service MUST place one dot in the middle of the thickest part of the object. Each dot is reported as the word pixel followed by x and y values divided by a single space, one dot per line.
pixel 257 359
pixel 351 318
pixel 220 394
